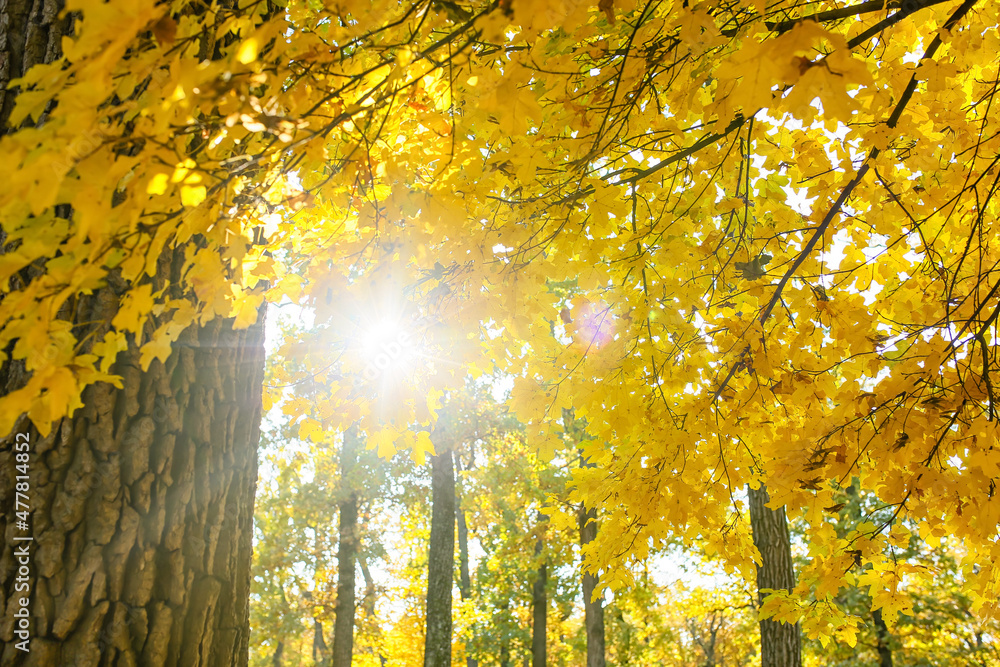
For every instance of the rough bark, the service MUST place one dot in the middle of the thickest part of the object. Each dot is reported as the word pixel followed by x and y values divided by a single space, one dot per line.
pixel 593 609
pixel 31 33
pixel 440 561
pixel 141 501
pixel 539 607
pixel 464 578
pixel 142 505
pixel 347 552
pixel 780 643
pixel 882 633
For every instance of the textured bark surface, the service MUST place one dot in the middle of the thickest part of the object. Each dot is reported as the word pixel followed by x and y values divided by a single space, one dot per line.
pixel 347 552
pixel 539 607
pixel 780 644
pixel 142 500
pixel 31 33
pixel 440 561
pixel 142 505
pixel 593 609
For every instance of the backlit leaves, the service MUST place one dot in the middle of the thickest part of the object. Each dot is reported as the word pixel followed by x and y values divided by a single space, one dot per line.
pixel 778 226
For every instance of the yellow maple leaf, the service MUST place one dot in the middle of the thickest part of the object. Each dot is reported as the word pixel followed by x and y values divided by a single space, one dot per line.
pixel 247 310
pixel 383 441
pixel 421 447
pixel 158 184
pixel 192 195
pixel 247 53
pixel 136 305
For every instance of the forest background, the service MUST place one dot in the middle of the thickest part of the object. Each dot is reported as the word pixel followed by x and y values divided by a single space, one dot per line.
pixel 729 268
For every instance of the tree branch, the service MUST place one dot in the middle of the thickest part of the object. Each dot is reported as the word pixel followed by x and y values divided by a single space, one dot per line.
pixel 891 122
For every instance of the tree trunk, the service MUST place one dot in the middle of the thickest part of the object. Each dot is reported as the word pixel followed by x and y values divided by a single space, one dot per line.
pixel 142 507
pixel 369 587
pixel 539 604
pixel 780 645
pixel 593 609
pixel 882 633
pixel 464 578
pixel 347 552
pixel 440 561
pixel 319 644
pixel 369 604
pixel 504 625
pixel 141 502
pixel 277 659
pixel 31 33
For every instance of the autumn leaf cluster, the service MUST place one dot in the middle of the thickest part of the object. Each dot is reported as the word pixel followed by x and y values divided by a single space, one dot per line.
pixel 746 243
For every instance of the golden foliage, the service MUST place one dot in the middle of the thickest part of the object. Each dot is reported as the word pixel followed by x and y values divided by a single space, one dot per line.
pixel 745 242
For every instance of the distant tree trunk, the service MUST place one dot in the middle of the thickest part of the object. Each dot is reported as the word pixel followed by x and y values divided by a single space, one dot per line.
pixel 706 644
pixel 780 645
pixel 465 580
pixel 593 609
pixel 440 561
pixel 882 633
pixel 370 597
pixel 320 656
pixel 347 552
pixel 369 587
pixel 624 644
pixel 502 626
pixel 539 607
pixel 277 660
